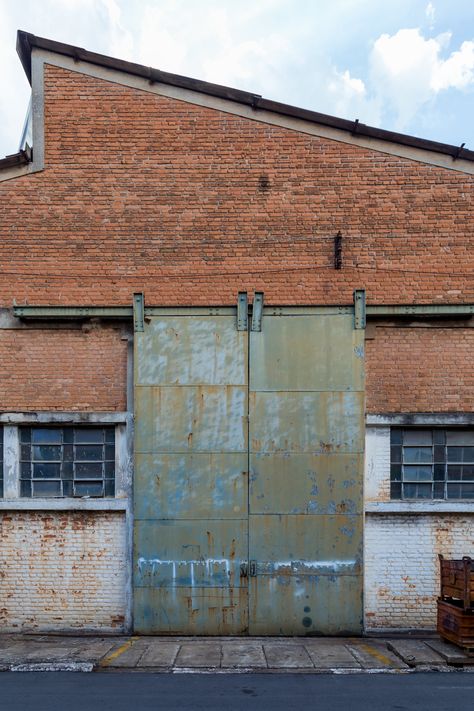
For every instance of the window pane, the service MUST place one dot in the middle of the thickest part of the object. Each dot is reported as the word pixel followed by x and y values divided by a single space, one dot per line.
pixel 439 453
pixel 88 452
pixel 88 470
pixel 438 490
pixel 439 437
pixel 417 491
pixel 46 488
pixel 110 435
pixel 46 436
pixel 89 488
pixel 413 455
pixel 396 472
pixel 461 454
pixel 460 437
pixel 395 454
pixel 109 452
pixel 396 436
pixel 461 472
pixel 47 453
pixel 461 491
pixel 25 488
pixel 25 470
pixel 25 434
pixel 439 471
pixel 46 470
pixel 109 487
pixel 25 452
pixel 67 488
pixel 417 437
pixel 86 435
pixel 417 473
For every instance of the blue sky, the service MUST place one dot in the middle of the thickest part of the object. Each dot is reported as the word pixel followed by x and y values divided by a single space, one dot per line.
pixel 404 65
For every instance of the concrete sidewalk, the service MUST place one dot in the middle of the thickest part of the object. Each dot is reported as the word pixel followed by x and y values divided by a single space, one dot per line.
pixel 226 654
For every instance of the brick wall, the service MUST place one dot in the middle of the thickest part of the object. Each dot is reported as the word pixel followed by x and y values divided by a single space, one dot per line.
pixel 63 370
pixel 191 204
pixel 401 565
pixel 62 571
pixel 420 370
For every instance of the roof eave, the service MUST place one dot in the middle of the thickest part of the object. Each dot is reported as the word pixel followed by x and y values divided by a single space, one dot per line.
pixel 26 41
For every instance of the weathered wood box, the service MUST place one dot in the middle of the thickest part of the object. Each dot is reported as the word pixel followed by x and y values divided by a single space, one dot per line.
pixel 456 602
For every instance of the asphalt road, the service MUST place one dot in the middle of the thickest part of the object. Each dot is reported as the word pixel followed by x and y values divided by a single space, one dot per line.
pixel 143 692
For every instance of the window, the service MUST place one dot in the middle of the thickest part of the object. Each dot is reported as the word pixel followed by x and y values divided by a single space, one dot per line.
pixel 1 462
pixel 67 461
pixel 431 464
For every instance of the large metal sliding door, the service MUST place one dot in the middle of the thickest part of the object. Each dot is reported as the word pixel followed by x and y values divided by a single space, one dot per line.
pixel 217 551
pixel 191 484
pixel 306 473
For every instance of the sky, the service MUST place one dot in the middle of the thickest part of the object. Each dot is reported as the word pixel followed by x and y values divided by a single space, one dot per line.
pixel 402 65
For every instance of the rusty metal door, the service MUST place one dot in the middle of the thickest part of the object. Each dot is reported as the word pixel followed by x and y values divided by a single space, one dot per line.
pixel 285 402
pixel 191 481
pixel 306 436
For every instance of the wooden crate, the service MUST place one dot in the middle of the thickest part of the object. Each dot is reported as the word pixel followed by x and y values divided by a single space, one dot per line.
pixel 456 624
pixel 457 580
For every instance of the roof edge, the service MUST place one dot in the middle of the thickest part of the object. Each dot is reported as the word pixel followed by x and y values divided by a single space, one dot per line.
pixel 15 159
pixel 27 41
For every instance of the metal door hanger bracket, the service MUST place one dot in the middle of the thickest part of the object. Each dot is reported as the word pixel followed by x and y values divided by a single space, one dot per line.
pixel 359 309
pixel 257 311
pixel 242 311
pixel 138 312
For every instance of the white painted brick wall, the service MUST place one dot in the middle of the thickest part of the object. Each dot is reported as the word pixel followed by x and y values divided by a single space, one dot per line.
pixel 62 570
pixel 402 569
pixel 377 464
pixel 401 550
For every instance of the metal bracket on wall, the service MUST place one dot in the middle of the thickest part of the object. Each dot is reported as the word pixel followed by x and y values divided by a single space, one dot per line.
pixel 242 311
pixel 138 311
pixel 257 311
pixel 359 309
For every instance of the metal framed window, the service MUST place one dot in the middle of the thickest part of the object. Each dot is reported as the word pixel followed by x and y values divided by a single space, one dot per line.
pixel 67 461
pixel 1 462
pixel 431 463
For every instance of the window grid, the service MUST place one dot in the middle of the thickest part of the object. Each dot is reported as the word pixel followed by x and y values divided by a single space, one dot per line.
pixel 1 462
pixel 432 464
pixel 67 462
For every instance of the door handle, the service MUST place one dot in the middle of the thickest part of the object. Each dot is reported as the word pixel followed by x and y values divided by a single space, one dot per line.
pixel 253 568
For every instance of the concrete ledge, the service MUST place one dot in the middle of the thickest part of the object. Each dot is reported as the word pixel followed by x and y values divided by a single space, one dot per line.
pixel 64 505
pixel 410 507
pixel 433 419
pixel 49 418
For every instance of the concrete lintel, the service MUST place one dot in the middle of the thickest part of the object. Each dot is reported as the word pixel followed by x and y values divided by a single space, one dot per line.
pixel 424 419
pixel 63 505
pixel 419 507
pixel 66 418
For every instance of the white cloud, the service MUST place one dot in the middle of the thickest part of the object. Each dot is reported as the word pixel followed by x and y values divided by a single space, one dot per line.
pixel 407 71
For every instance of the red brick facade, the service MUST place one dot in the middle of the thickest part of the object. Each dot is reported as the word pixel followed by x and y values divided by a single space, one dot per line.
pixel 420 370
pixel 191 205
pixel 63 370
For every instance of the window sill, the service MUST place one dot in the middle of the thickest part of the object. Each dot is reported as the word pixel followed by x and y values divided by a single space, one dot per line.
pixel 408 507
pixel 63 504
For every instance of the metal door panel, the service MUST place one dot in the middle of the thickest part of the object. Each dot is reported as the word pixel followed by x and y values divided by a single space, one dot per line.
pixel 298 544
pixel 326 485
pixel 196 350
pixel 307 352
pixel 188 418
pixel 177 553
pixel 317 422
pixel 200 611
pixel 191 457
pixel 199 485
pixel 306 435
pixel 306 605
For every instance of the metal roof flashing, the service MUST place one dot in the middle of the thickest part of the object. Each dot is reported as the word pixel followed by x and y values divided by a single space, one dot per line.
pixel 26 42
